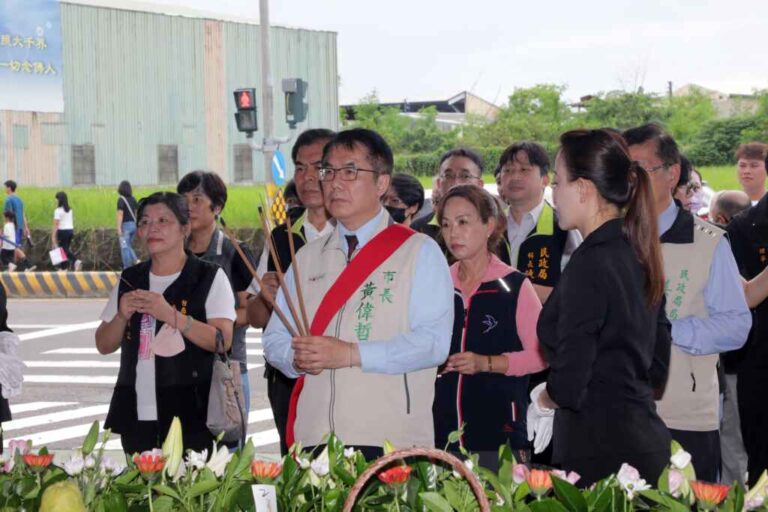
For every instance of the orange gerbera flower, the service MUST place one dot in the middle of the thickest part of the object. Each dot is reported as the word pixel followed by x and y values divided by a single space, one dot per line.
pixel 265 470
pixel 37 462
pixel 149 464
pixel 396 475
pixel 709 495
pixel 539 481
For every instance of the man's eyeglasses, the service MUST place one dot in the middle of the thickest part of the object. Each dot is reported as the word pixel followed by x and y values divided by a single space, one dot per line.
pixel 461 177
pixel 346 173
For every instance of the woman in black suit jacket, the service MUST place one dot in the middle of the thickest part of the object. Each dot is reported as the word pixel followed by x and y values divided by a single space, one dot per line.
pixel 603 329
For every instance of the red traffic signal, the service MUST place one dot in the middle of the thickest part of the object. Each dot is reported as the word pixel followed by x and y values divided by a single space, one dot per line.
pixel 245 99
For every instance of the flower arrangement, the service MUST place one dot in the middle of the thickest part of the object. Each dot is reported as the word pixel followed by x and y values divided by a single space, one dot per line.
pixel 170 479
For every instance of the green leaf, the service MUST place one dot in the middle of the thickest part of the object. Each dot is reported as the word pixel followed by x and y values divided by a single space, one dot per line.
pixel 735 500
pixel 127 477
pixel 163 504
pixel 663 482
pixel 164 489
pixel 202 487
pixel 245 458
pixel 569 495
pixel 114 502
pixel 667 502
pixel 490 477
pixel 521 492
pixel 90 440
pixel 452 494
pixel 547 505
pixel 435 503
pixel 343 475
pixel 426 473
pixel 599 500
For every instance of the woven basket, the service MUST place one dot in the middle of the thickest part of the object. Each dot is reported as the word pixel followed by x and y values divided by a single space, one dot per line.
pixel 433 453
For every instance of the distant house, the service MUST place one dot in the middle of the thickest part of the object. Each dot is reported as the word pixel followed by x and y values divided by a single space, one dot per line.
pixel 451 113
pixel 726 105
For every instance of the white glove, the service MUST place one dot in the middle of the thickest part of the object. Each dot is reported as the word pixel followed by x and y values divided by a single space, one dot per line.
pixel 540 421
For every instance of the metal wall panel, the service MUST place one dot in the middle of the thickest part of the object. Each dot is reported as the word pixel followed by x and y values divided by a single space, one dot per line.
pixel 135 80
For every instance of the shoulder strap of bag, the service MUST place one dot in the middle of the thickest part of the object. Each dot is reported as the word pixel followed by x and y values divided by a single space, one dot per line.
pixel 130 210
pixel 370 257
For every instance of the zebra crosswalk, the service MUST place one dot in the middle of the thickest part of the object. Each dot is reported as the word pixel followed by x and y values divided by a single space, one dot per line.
pixel 69 387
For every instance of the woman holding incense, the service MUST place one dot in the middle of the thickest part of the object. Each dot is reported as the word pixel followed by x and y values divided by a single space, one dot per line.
pixel 484 383
pixel 167 315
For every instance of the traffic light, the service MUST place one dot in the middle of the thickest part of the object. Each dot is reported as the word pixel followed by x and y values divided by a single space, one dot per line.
pixel 295 90
pixel 245 117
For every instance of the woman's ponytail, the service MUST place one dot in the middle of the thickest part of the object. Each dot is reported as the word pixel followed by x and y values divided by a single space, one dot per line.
pixel 641 229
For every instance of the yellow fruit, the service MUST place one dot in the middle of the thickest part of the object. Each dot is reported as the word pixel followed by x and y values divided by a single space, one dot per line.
pixel 62 497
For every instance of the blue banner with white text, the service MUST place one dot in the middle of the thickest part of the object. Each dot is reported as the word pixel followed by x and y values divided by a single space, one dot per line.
pixel 31 76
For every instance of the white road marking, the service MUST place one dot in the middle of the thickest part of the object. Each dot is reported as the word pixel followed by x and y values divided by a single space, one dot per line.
pixel 79 351
pixel 27 336
pixel 72 364
pixel 60 434
pixel 249 341
pixel 255 352
pixel 56 417
pixel 70 379
pixel 36 406
pixel 260 415
pixel 265 438
pixel 35 326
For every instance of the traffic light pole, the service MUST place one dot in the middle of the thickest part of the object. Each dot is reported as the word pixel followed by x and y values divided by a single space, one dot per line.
pixel 267 94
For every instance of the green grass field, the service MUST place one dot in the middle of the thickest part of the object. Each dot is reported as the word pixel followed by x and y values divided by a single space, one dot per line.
pixel 96 207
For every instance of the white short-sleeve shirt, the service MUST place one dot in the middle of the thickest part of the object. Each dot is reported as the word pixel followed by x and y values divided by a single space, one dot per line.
pixel 65 219
pixel 220 303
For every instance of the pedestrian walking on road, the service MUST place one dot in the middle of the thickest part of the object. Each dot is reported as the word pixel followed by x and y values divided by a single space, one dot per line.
pixel 16 205
pixel 64 230
pixel 126 223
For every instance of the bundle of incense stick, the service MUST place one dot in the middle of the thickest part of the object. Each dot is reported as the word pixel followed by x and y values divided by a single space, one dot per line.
pixel 301 329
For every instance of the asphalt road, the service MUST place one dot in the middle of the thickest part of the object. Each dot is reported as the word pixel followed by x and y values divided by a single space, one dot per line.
pixel 68 384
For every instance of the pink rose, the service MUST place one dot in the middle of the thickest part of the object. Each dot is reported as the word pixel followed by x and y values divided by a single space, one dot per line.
pixel 571 477
pixel 520 473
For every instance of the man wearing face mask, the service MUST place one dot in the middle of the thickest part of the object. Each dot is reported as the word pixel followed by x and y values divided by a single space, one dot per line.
pixel 688 190
pixel 404 198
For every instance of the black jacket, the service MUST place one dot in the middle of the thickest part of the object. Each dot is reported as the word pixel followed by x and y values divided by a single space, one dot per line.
pixel 748 234
pixel 492 406
pixel 607 351
pixel 183 381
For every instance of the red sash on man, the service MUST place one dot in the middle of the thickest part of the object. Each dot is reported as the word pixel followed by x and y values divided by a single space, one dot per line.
pixel 370 257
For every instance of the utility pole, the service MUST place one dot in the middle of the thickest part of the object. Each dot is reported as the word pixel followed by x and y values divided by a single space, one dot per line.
pixel 267 106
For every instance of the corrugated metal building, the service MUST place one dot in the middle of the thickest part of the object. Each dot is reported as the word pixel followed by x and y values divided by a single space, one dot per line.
pixel 148 96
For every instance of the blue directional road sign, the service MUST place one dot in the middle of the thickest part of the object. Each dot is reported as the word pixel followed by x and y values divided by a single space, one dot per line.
pixel 278 168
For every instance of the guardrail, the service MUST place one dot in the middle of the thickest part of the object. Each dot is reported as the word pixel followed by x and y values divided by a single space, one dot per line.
pixel 42 285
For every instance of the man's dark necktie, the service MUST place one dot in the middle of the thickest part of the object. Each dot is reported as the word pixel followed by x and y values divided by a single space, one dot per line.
pixel 351 245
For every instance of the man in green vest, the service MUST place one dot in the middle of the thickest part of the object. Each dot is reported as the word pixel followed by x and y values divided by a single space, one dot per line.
pixel 705 304
pixel 314 222
pixel 535 244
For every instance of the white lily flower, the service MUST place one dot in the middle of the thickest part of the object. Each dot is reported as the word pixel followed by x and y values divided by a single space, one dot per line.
pixel 74 466
pixel 320 467
pixel 219 460
pixel 680 459
pixel 197 460
pixel 349 452
pixel 90 462
pixel 303 463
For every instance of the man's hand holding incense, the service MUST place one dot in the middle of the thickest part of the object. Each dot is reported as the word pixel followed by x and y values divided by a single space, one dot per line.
pixel 313 354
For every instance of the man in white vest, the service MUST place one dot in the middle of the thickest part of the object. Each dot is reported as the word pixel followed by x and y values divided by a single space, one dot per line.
pixel 379 299
pixel 705 304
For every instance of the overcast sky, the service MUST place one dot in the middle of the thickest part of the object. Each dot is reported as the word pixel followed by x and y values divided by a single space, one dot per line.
pixel 418 49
